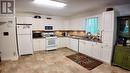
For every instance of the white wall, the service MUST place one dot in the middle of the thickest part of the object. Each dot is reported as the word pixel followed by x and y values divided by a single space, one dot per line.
pixel 8 45
pixel 124 10
pixel 79 21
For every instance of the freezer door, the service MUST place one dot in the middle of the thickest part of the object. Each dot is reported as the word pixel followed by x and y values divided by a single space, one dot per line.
pixel 24 29
pixel 25 44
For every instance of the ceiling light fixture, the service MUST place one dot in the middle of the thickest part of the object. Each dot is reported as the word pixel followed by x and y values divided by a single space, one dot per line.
pixel 50 3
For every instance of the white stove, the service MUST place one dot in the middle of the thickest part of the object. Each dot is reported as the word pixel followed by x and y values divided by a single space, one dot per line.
pixel 50 41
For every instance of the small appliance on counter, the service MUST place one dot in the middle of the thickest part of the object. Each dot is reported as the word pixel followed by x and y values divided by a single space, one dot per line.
pixel 64 33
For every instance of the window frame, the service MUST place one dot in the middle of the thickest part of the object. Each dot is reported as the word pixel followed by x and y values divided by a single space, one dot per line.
pixel 97 24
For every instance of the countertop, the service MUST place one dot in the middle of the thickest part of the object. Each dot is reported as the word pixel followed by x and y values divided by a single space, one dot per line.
pixel 76 37
pixel 83 38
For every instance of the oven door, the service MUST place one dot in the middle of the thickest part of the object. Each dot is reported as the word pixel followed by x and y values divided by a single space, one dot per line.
pixel 51 43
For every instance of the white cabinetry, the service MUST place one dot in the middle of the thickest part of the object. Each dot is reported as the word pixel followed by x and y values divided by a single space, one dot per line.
pixel 106 53
pixel 58 24
pixel 59 42
pixel 95 50
pixel 66 25
pixel 109 27
pixel 62 42
pixel 38 44
pixel 38 24
pixel 68 42
pixel 108 21
pixel 74 44
pixel 85 47
pixel 82 48
pixel 24 20
pixel 89 48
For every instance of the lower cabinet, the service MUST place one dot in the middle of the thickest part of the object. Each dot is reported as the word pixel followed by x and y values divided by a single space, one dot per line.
pixel 106 53
pixel 59 42
pixel 85 47
pixel 68 42
pixel 128 62
pixel 82 48
pixel 62 42
pixel 38 44
pixel 96 50
pixel 74 44
pixel 122 57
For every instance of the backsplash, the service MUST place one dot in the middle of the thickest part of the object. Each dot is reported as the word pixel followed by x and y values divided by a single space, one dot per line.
pixel 60 33
pixel 70 33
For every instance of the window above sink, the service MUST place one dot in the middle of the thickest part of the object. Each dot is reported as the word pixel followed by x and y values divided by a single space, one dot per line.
pixel 91 25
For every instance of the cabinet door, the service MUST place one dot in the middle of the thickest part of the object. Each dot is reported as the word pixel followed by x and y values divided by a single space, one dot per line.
pixel 60 43
pixel 24 20
pixel 41 44
pixel 128 62
pixel 66 24
pixel 36 44
pixel 88 48
pixel 96 50
pixel 108 21
pixel 118 56
pixel 107 37
pixel 82 47
pixel 65 42
pixel 106 53
pixel 69 43
pixel 74 44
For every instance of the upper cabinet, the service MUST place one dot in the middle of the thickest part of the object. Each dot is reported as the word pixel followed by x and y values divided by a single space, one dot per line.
pixel 41 23
pixel 108 21
pixel 24 20
pixel 109 27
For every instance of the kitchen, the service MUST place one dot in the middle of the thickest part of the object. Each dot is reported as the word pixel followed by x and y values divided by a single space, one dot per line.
pixel 58 38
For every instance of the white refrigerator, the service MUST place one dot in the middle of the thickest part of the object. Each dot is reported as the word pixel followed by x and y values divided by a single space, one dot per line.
pixel 24 38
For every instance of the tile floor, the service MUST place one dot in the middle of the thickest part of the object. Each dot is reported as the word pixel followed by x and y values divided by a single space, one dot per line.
pixel 52 62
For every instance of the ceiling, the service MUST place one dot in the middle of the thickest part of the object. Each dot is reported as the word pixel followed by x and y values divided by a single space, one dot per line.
pixel 73 6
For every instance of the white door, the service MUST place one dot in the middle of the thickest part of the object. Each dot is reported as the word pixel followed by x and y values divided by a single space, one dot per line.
pixel 25 44
pixel 24 29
